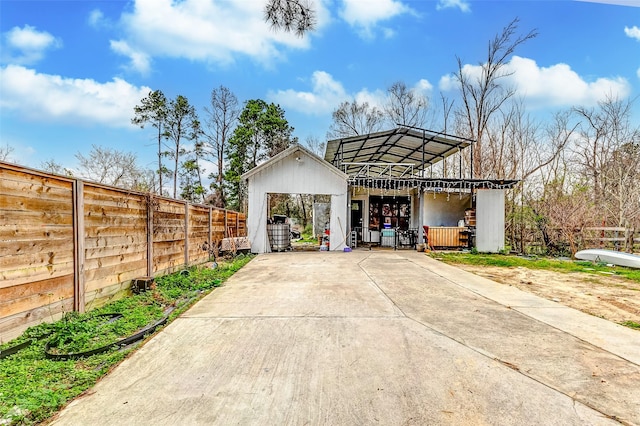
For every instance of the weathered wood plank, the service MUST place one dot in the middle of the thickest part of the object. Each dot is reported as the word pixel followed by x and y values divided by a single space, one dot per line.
pixel 112 231
pixel 33 246
pixel 110 241
pixel 13 326
pixel 116 220
pixel 168 237
pixel 111 191
pixel 30 300
pixel 34 273
pixel 31 189
pixel 117 259
pixel 114 273
pixel 96 212
pixel 8 176
pixel 169 208
pixel 23 204
pixel 122 277
pixel 125 249
pixel 43 232
pixel 35 287
pixel 28 260
pixel 30 219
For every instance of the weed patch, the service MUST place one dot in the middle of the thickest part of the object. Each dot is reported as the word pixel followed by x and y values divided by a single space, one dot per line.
pixel 33 387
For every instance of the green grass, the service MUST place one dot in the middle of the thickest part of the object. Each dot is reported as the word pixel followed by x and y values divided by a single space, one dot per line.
pixel 631 324
pixel 557 265
pixel 33 388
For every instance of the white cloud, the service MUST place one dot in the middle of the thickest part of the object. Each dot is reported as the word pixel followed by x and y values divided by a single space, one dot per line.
pixel 48 97
pixel 327 94
pixel 27 45
pixel 423 87
pixel 451 4
pixel 139 61
pixel 633 32
pixel 97 19
pixel 365 15
pixel 374 99
pixel 638 72
pixel 554 86
pixel 212 31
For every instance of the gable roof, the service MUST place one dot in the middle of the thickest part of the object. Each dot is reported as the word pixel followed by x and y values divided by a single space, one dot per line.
pixel 288 152
pixel 403 144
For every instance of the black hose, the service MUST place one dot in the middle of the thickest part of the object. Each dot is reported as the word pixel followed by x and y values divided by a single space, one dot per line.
pixel 120 343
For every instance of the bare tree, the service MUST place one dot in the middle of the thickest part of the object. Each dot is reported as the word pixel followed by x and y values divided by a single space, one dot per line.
pixel 608 156
pixel 622 189
pixel 483 94
pixel 222 116
pixel 314 145
pixel 354 118
pixel 603 130
pixel 110 167
pixel 5 152
pixel 406 106
pixel 52 166
pixel 290 15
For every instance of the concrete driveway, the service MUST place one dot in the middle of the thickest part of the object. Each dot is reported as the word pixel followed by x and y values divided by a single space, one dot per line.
pixel 371 337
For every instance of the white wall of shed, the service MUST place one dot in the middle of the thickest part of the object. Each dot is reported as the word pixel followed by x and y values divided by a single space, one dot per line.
pixel 297 173
pixel 490 220
pixel 443 210
pixel 339 222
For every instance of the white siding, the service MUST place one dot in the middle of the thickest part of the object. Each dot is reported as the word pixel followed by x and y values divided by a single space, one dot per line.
pixel 490 220
pixel 297 173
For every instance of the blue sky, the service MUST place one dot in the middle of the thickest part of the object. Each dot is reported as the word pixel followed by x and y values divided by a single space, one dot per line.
pixel 71 71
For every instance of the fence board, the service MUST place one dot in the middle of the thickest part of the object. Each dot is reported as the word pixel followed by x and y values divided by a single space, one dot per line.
pixel 10 234
pixel 34 273
pixel 14 325
pixel 22 298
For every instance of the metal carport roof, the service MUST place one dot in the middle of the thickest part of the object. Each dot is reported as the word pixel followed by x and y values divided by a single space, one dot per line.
pixel 402 145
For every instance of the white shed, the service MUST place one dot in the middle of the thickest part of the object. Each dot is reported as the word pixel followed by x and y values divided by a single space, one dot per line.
pixel 295 170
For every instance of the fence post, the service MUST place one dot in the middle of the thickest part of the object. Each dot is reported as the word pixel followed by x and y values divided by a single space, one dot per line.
pixel 210 240
pixel 150 235
pixel 78 245
pixel 225 224
pixel 186 234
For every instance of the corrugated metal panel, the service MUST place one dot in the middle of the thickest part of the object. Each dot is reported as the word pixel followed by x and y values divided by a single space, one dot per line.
pixel 490 220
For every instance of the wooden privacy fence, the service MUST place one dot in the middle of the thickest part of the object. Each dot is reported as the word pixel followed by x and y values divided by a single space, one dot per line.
pixel 67 244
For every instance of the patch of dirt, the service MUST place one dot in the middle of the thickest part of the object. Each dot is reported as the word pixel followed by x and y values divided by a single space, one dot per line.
pixel 610 297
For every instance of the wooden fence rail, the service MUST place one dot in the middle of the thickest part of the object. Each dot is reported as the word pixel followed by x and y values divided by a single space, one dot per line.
pixel 67 244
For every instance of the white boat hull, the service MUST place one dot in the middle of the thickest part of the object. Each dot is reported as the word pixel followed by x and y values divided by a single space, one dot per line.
pixel 610 256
